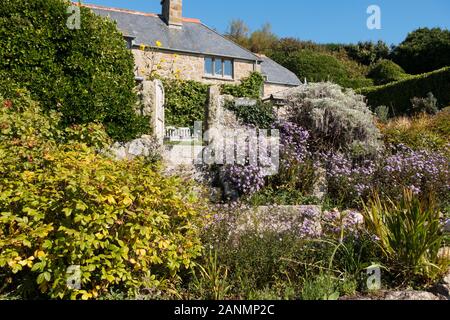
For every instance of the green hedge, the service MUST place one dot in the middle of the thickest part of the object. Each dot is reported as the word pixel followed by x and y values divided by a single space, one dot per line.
pixel 397 95
pixel 324 66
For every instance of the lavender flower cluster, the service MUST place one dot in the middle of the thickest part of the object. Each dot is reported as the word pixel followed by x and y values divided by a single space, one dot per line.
pixel 349 179
pixel 420 171
pixel 245 179
pixel 293 143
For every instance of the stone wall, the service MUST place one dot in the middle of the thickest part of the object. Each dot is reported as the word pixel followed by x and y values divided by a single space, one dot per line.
pixel 188 67
pixel 270 88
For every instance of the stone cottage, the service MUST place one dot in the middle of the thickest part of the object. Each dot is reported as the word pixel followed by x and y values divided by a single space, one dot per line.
pixel 188 48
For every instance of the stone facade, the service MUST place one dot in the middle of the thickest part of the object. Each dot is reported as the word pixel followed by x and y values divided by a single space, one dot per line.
pixel 186 66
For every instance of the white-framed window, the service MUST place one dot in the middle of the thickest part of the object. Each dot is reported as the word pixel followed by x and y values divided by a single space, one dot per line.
pixel 219 67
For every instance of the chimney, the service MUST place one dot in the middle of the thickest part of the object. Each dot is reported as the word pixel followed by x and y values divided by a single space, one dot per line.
pixel 172 12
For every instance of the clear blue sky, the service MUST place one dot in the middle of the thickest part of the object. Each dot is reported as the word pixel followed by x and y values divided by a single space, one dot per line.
pixel 323 21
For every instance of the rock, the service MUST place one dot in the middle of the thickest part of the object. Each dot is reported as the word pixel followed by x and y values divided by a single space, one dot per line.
pixel 320 188
pixel 411 295
pixel 136 148
pixel 443 287
pixel 119 153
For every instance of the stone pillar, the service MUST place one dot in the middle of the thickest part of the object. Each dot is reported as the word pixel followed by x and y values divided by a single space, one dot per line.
pixel 152 105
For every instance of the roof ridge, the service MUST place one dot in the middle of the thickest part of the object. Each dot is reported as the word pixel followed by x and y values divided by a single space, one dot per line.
pixel 147 14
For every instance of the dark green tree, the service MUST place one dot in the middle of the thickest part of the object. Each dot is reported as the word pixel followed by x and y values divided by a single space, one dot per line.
pixel 424 50
pixel 86 73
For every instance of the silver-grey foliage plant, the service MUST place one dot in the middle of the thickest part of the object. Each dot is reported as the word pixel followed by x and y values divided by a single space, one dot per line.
pixel 338 119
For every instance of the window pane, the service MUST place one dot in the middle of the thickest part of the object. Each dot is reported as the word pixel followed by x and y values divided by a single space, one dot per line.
pixel 228 68
pixel 209 66
pixel 218 67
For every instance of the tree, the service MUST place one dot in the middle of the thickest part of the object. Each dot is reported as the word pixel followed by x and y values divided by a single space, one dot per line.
pixel 238 32
pixel 368 52
pixel 263 39
pixel 85 73
pixel 424 50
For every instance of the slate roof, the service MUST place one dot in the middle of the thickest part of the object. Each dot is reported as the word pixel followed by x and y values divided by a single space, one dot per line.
pixel 277 74
pixel 194 37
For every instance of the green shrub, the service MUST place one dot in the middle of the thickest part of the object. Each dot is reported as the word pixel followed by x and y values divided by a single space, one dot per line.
pixel 323 66
pixel 397 95
pixel 260 115
pixel 87 74
pixel 185 102
pixel 410 234
pixel 424 50
pixel 424 105
pixel 250 87
pixel 63 204
pixel 386 71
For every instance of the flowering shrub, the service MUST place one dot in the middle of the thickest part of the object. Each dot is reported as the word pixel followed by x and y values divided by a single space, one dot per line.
pixel 423 172
pixel 348 181
pixel 293 143
pixel 245 179
pixel 337 119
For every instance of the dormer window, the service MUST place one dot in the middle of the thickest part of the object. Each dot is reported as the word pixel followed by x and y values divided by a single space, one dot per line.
pixel 129 41
pixel 219 68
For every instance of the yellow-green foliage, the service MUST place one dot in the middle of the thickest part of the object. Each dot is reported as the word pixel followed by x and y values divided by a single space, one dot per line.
pixel 64 204
pixel 421 132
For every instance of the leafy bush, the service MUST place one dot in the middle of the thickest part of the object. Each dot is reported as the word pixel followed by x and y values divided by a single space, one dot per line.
pixel 87 74
pixel 323 66
pixel 397 95
pixel 249 87
pixel 62 204
pixel 386 71
pixel 424 50
pixel 185 102
pixel 410 234
pixel 336 119
pixel 424 105
pixel 260 114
